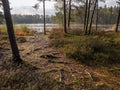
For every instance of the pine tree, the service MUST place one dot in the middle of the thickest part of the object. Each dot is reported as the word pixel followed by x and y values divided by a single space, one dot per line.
pixel 10 30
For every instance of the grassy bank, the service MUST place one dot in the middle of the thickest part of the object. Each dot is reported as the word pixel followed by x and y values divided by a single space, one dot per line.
pixel 22 30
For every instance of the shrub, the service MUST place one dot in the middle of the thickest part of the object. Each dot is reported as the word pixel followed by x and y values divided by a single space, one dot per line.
pixel 91 50
pixel 25 28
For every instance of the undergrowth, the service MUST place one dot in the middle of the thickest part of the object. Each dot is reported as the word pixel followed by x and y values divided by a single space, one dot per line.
pixel 26 77
pixel 99 48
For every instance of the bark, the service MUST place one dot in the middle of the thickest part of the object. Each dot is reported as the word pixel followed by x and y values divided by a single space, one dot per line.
pixel 91 21
pixel 88 16
pixel 86 8
pixel 111 10
pixel 118 19
pixel 10 30
pixel 64 5
pixel 69 16
pixel 44 17
pixel 97 15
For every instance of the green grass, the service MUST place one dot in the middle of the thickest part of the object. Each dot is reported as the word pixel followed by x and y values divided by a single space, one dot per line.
pixel 99 48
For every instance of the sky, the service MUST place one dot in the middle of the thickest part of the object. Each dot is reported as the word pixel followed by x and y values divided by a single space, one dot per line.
pixel 25 6
pixel 20 3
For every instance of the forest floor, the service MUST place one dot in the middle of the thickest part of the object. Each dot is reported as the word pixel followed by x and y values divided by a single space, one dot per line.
pixel 68 73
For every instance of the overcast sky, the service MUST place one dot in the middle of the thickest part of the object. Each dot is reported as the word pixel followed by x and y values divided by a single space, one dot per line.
pixel 32 2
pixel 20 3
pixel 25 6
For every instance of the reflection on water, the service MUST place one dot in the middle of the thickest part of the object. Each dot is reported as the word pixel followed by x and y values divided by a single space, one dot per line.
pixel 39 27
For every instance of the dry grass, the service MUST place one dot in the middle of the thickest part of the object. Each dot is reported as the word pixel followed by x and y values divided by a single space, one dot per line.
pixel 26 77
pixel 19 30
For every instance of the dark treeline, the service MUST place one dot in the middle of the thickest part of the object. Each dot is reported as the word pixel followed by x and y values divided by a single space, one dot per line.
pixel 19 19
pixel 107 15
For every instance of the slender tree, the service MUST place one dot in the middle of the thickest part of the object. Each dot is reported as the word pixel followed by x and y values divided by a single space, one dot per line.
pixel 111 10
pixel 88 16
pixel 69 15
pixel 64 5
pixel 91 20
pixel 97 15
pixel 118 18
pixel 36 6
pixel 44 17
pixel 85 17
pixel 10 30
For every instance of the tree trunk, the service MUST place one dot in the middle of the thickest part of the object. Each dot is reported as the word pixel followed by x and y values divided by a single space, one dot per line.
pixel 118 19
pixel 10 30
pixel 69 16
pixel 85 17
pixel 97 15
pixel 111 10
pixel 44 17
pixel 91 21
pixel 88 15
pixel 64 5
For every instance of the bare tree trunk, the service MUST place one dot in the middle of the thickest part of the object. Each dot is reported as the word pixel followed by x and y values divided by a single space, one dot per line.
pixel 64 5
pixel 88 15
pixel 69 16
pixel 118 19
pixel 111 10
pixel 85 17
pixel 10 30
pixel 44 17
pixel 91 21
pixel 97 16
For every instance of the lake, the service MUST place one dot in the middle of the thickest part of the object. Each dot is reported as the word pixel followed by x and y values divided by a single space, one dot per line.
pixel 39 27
